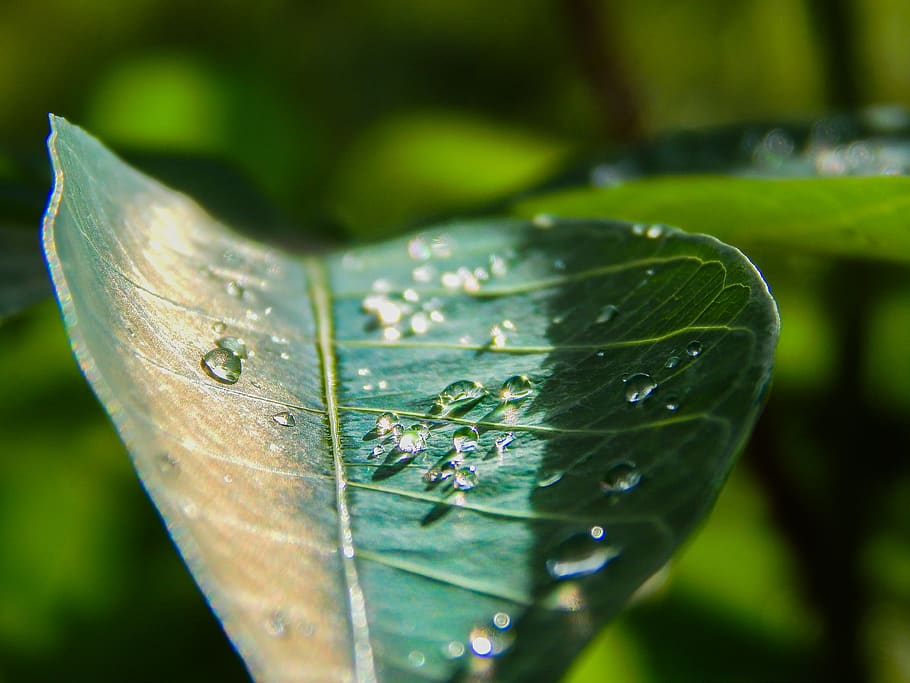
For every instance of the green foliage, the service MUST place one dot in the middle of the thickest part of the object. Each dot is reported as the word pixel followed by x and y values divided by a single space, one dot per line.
pixel 639 360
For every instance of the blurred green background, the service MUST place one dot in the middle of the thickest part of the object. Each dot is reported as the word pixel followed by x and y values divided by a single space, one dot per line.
pixel 353 120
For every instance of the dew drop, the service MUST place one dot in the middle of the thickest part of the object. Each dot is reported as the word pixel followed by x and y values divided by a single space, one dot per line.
pixel 498 337
pixel 377 451
pixel 454 650
pixel 363 372
pixel 410 295
pixel 418 249
pixel 423 273
pixel 620 477
pixel 412 440
pixel 498 266
pixel 639 386
pixel 285 419
pixel 218 327
pixel 465 478
pixel 515 388
pixel 502 621
pixel 284 355
pixel 465 439
pixel 235 289
pixel 672 405
pixel 228 479
pixel 238 346
pixel 672 362
pixel 694 349
pixel 275 625
pixel 391 334
pixel 607 313
pixel 416 658
pixel 639 229
pixel 420 323
pixel 386 422
pixel 546 479
pixel 581 554
pixel 655 231
pixel 458 397
pixel 544 221
pixel 222 365
pixel 441 471
pixel 490 641
pixel 167 464
pixel 503 441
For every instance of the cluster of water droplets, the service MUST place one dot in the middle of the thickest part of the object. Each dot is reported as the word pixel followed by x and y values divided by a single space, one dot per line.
pixel 400 443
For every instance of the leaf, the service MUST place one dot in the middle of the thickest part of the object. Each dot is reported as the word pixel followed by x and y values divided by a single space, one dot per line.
pixel 634 367
pixel 837 187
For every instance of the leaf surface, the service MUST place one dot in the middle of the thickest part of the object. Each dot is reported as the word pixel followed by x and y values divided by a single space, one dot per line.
pixel 622 372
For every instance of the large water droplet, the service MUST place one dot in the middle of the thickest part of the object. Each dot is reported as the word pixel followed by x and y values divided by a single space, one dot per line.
pixel 581 554
pixel 285 419
pixel 238 346
pixel 223 365
pixel 458 397
pixel 621 476
pixel 515 388
pixel 465 439
pixel 412 440
pixel 639 386
pixel 465 478
pixel 386 422
pixel 694 349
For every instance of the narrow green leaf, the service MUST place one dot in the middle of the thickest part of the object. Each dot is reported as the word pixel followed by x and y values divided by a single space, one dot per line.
pixel 610 377
pixel 857 217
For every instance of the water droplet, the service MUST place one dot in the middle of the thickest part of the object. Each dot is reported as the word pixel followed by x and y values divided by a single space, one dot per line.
pixel 515 388
pixel 654 231
pixel 418 249
pixel 391 334
pixel 498 266
pixel 639 386
pixel 454 650
pixel 235 289
pixel 549 478
pixel 559 264
pixel 218 327
pixel 465 478
pixel 228 479
pixel 423 273
pixel 383 384
pixel 503 441
pixel 223 365
pixel 498 337
pixel 465 439
pixel 377 451
pixel 639 229
pixel 441 247
pixel 285 419
pixel 238 346
pixel 607 313
pixel 672 405
pixel 410 295
pixel 544 221
pixel 363 372
pixel 502 621
pixel 416 658
pixel 167 464
pixel 412 440
pixel 441 471
pixel 284 355
pixel 579 555
pixel 420 323
pixel 694 349
pixel 458 397
pixel 488 641
pixel 275 625
pixel 620 477
pixel 386 422
pixel 672 362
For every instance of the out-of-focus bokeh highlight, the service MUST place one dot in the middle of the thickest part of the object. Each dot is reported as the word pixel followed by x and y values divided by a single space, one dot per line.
pixel 316 122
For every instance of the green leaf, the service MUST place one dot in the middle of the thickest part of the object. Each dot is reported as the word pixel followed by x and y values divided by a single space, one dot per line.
pixel 638 364
pixel 837 187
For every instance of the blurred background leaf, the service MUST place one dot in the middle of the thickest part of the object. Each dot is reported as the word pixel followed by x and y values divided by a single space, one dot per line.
pixel 327 111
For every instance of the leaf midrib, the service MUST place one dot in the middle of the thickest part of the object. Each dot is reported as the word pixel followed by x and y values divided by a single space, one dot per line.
pixel 364 667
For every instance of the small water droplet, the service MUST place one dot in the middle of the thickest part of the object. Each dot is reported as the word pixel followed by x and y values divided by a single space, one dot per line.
pixel 498 337
pixel 275 625
pixel 419 249
pixel 454 650
pixel 416 658
pixel 285 419
pixel 465 478
pixel 639 229
pixel 458 397
pixel 386 422
pixel 391 334
pixel 503 441
pixel 420 323
pixel 235 289
pixel 284 355
pixel 694 349
pixel 498 265
pixel 167 464
pixel 412 440
pixel 465 439
pixel 672 405
pixel 544 221
pixel 423 273
pixel 222 365
pixel 228 479
pixel 502 621
pixel 672 362
pixel 363 372
pixel 441 471
pixel 515 388
pixel 655 231
pixel 607 313
pixel 383 384
pixel 218 327
pixel 410 295
pixel 377 451
pixel 559 264
pixel 488 641
pixel 620 477
pixel 579 555
pixel 639 386
pixel 238 346
pixel 441 247
pixel 191 510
